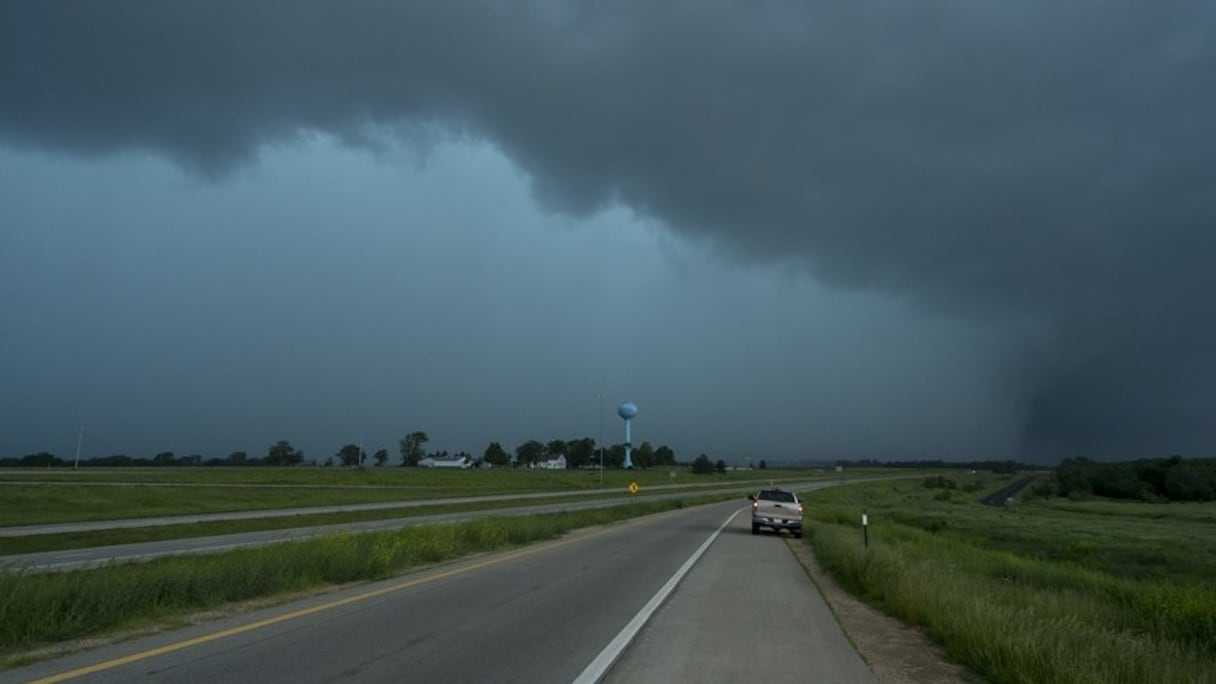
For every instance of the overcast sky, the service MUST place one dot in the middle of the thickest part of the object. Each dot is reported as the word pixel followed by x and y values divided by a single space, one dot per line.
pixel 888 229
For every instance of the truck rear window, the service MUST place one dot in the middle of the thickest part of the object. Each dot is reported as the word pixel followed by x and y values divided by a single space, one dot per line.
pixel 776 495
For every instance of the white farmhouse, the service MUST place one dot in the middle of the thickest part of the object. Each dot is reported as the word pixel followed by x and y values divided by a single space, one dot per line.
pixel 460 463
pixel 556 463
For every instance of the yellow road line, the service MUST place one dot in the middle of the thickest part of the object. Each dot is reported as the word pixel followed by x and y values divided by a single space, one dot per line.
pixel 214 636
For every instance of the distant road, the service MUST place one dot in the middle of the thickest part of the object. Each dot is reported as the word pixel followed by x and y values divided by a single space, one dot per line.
pixel 68 559
pixel 1002 495
pixel 93 525
pixel 559 612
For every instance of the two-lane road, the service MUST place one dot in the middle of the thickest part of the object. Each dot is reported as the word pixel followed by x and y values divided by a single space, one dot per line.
pixel 539 614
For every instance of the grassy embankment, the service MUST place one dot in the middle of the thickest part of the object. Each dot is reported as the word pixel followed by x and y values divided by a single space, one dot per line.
pixel 1044 591
pixel 38 609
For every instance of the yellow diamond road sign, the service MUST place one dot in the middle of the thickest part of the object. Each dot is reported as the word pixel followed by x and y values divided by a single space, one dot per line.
pixel 633 488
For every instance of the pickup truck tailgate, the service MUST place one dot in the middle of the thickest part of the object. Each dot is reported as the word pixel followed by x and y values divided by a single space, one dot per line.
pixel 778 510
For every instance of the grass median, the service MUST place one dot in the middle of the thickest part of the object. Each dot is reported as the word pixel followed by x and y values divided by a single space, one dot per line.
pixel 46 608
pixel 1043 591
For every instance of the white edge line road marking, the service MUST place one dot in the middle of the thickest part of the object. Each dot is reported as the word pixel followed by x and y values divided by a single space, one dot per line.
pixel 599 667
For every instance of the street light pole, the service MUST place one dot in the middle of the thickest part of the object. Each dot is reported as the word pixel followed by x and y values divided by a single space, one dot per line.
pixel 601 438
pixel 80 440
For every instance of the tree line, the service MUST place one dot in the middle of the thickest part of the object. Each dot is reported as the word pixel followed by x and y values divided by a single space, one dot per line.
pixel 1154 479
pixel 999 467
pixel 281 453
pixel 411 450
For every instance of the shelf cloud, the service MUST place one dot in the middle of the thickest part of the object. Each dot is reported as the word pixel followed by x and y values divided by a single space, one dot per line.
pixel 1041 168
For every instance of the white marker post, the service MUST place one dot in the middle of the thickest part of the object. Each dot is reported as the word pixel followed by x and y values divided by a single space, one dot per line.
pixel 865 529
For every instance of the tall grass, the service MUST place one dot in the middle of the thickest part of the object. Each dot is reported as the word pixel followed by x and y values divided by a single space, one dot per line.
pixel 1004 610
pixel 53 607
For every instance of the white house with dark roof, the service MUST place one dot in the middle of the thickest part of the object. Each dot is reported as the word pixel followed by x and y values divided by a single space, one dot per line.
pixel 556 463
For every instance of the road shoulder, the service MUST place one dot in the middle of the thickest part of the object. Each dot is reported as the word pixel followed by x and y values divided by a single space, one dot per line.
pixel 897 653
pixel 744 612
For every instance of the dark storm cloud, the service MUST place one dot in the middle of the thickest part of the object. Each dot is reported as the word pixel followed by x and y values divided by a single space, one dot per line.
pixel 1041 163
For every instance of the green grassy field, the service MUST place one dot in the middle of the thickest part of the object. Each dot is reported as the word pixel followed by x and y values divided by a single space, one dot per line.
pixel 30 497
pixel 1042 591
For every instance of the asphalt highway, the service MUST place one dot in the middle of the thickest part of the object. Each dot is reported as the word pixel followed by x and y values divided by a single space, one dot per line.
pixel 89 557
pixel 688 595
pixel 94 525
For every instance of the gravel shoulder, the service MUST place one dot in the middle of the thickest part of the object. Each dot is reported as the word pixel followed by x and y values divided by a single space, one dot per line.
pixel 896 652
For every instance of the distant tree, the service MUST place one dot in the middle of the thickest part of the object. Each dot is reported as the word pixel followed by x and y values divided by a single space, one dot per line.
pixel 42 459
pixel 557 447
pixel 939 482
pixel 411 447
pixel 720 466
pixel 763 464
pixel 580 452
pixel 615 457
pixel 664 456
pixel 495 455
pixel 117 460
pixel 1152 480
pixel 702 465
pixel 350 455
pixel 381 457
pixel 529 452
pixel 644 456
pixel 1192 481
pixel 1072 477
pixel 238 458
pixel 283 454
pixel 164 458
pixel 1005 468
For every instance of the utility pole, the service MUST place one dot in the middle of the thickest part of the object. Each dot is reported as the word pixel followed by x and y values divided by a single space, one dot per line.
pixel 601 438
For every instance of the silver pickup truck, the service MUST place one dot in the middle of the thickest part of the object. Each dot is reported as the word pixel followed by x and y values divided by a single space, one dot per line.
pixel 777 510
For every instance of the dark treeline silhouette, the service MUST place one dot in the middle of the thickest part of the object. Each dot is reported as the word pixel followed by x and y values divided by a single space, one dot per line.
pixel 1154 479
pixel 994 466
pixel 280 453
pixel 166 458
pixel 579 453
